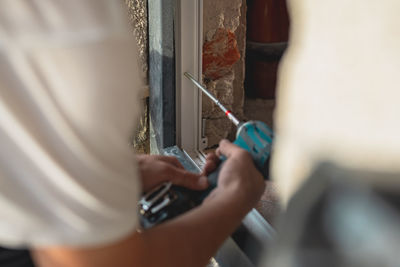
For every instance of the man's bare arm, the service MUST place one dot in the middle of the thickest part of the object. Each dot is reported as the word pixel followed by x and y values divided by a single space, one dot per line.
pixel 189 240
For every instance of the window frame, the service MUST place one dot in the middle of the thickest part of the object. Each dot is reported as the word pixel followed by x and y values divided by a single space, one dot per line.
pixel 186 28
pixel 188 41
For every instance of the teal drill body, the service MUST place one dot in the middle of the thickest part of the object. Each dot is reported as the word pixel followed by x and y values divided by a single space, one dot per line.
pixel 256 138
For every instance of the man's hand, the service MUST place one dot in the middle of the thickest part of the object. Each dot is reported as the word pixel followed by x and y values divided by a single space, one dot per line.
pixel 238 174
pixel 155 169
pixel 196 235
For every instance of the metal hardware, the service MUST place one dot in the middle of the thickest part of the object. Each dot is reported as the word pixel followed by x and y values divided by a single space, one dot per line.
pixel 203 140
pixel 203 143
pixel 203 127
pixel 156 199
pixel 227 112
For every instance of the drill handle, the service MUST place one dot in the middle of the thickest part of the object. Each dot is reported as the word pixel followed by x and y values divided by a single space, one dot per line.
pixel 213 177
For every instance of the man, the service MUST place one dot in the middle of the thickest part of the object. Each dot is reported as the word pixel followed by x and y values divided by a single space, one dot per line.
pixel 69 183
pixel 337 152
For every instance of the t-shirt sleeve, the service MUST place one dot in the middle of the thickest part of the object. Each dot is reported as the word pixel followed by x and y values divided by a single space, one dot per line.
pixel 69 93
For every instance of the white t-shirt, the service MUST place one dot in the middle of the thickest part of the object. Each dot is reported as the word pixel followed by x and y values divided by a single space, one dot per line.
pixel 339 91
pixel 69 87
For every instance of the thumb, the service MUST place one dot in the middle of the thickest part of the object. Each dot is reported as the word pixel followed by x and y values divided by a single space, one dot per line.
pixel 188 179
pixel 227 149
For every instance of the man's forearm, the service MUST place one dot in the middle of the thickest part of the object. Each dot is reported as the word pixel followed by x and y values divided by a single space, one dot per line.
pixel 189 240
pixel 192 239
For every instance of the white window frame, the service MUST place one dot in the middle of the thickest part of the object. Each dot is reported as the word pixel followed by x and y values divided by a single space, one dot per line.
pixel 188 55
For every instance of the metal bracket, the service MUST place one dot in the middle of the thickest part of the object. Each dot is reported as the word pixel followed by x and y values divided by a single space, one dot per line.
pixel 203 140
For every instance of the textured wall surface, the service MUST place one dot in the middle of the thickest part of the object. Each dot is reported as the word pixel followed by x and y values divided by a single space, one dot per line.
pixel 137 13
pixel 229 15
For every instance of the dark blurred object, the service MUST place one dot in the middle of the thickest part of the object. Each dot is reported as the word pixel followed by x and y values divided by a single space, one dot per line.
pixel 267 36
pixel 261 78
pixel 266 51
pixel 338 219
pixel 15 258
pixel 267 21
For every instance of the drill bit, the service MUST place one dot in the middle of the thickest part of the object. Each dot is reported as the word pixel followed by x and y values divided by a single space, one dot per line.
pixel 227 112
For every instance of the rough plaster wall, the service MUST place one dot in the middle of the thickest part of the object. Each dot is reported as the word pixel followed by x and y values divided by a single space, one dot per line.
pixel 229 14
pixel 338 91
pixel 137 13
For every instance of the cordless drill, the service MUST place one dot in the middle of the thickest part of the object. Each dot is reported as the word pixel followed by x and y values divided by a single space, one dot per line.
pixel 168 201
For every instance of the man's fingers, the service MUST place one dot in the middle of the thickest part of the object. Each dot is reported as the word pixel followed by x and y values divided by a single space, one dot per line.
pixel 227 149
pixel 212 161
pixel 171 160
pixel 209 167
pixel 212 157
pixel 188 179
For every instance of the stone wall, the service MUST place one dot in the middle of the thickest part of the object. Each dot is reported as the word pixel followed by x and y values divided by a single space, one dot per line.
pixel 224 16
pixel 137 13
pixel 226 79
